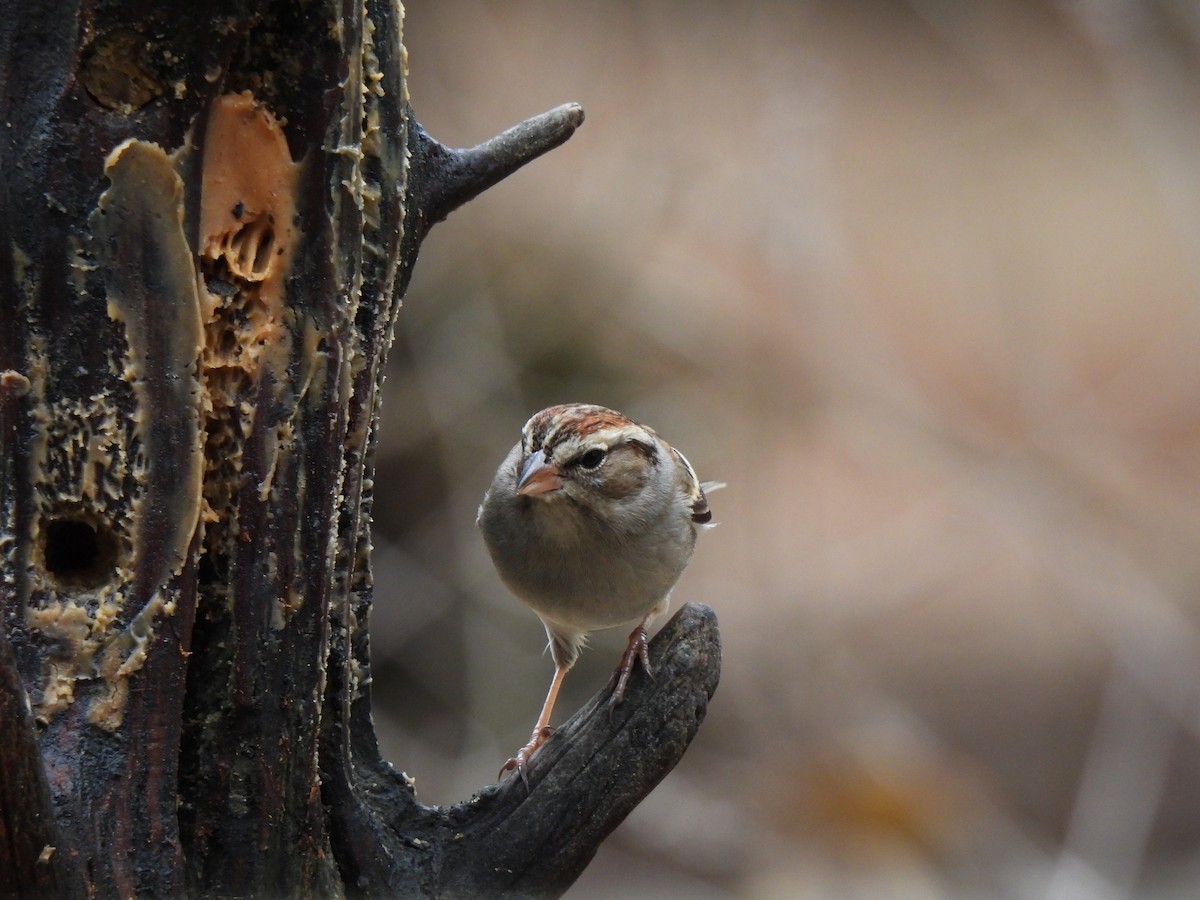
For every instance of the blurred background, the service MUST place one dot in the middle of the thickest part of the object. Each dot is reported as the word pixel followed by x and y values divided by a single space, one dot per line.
pixel 920 280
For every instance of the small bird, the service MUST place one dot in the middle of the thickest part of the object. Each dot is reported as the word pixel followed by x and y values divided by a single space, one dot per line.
pixel 591 520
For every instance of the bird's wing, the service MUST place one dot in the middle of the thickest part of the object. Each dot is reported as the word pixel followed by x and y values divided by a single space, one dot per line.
pixel 701 514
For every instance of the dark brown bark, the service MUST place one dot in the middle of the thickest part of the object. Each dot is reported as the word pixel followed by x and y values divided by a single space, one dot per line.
pixel 208 213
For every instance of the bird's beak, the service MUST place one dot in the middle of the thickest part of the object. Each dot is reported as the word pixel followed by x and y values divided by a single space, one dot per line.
pixel 538 476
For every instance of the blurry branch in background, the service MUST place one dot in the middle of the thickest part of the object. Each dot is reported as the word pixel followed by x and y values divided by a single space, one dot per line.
pixel 1144 61
pixel 1155 94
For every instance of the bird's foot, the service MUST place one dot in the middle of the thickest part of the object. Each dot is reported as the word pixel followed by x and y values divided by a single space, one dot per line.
pixel 638 650
pixel 520 762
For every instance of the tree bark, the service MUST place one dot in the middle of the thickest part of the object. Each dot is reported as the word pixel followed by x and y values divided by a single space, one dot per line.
pixel 208 214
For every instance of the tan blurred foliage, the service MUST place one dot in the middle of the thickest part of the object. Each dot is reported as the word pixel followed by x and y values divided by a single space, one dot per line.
pixel 919 280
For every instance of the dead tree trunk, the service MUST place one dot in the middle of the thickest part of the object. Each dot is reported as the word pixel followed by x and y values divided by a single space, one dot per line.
pixel 208 214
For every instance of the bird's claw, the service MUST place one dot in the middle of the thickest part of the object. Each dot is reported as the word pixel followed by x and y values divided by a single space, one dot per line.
pixel 637 650
pixel 520 762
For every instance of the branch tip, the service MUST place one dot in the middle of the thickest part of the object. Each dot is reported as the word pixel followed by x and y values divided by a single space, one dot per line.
pixel 451 177
pixel 595 769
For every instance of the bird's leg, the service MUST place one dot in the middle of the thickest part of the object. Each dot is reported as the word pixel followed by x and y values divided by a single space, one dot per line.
pixel 637 650
pixel 541 731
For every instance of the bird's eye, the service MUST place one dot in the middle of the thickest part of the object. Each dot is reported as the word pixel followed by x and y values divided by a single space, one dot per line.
pixel 592 458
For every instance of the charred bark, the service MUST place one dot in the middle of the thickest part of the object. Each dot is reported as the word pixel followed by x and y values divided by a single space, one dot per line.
pixel 208 215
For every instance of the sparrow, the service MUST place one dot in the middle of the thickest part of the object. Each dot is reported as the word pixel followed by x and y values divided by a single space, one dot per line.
pixel 590 520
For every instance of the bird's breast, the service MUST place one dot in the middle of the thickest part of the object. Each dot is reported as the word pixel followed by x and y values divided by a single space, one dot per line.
pixel 591 579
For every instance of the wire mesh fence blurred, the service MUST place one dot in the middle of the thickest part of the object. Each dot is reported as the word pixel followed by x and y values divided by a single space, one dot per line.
pixel 919 280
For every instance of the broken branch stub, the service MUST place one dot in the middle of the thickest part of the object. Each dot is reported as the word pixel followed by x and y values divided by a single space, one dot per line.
pixel 208 220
